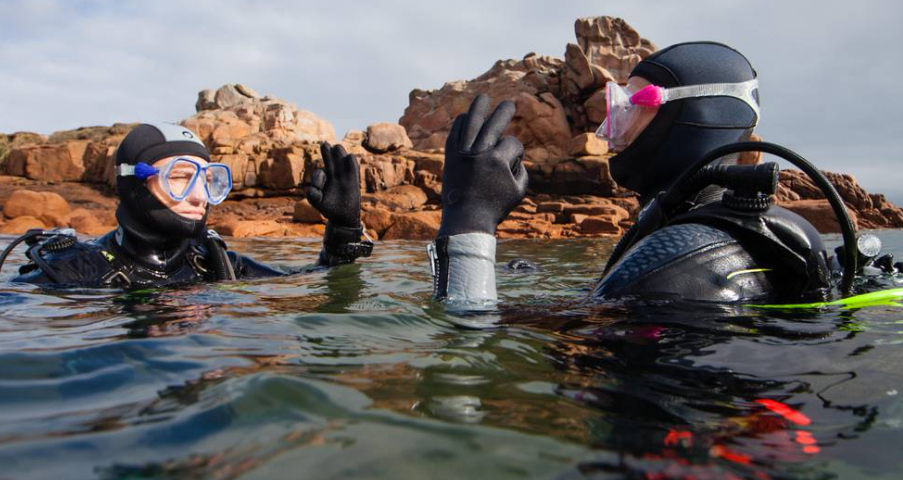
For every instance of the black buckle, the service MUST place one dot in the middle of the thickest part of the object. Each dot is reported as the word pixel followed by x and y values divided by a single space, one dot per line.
pixel 351 250
pixel 345 242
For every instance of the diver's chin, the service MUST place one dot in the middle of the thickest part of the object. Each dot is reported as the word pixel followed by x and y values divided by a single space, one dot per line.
pixel 194 215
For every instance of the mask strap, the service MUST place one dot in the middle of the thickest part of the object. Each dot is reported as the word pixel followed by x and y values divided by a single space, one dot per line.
pixel 142 170
pixel 742 91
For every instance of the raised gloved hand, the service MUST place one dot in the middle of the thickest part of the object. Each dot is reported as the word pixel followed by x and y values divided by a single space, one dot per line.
pixel 483 178
pixel 336 190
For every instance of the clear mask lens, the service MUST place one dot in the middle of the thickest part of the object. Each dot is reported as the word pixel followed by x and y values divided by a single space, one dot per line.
pixel 620 114
pixel 182 174
pixel 623 107
pixel 219 182
pixel 179 177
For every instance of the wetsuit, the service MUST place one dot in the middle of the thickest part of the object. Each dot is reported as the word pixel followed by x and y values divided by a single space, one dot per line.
pixel 708 251
pixel 705 250
pixel 108 262
pixel 153 246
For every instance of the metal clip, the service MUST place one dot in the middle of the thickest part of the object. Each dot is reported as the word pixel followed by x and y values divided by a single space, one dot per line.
pixel 431 253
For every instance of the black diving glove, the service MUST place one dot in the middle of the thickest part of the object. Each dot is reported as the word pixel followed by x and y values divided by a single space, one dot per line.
pixel 336 192
pixel 483 178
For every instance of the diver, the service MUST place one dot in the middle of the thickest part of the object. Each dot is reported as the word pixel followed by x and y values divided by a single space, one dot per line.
pixel 708 230
pixel 166 186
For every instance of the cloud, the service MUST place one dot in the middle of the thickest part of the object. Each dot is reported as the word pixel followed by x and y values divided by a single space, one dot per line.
pixel 828 73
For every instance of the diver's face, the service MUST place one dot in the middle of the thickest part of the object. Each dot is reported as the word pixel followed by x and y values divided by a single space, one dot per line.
pixel 194 205
pixel 643 118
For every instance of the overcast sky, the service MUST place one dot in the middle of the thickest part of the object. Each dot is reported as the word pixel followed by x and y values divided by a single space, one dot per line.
pixel 829 72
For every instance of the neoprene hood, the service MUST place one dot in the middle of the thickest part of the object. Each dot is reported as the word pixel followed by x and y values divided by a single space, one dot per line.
pixel 140 213
pixel 685 130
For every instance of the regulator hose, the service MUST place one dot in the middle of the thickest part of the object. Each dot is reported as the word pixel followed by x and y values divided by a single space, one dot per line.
pixel 689 183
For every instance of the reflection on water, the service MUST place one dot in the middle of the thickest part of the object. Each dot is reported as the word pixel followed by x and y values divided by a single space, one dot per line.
pixel 353 372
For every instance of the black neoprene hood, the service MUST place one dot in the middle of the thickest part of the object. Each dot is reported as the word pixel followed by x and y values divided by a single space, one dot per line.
pixel 150 142
pixel 140 213
pixel 683 131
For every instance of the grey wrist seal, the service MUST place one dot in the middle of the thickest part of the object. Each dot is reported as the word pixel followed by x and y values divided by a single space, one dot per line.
pixel 463 268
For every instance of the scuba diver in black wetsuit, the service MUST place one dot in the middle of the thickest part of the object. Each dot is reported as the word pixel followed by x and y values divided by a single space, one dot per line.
pixel 708 230
pixel 166 184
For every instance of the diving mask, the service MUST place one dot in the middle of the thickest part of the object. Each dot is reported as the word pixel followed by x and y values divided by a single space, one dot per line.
pixel 179 176
pixel 624 106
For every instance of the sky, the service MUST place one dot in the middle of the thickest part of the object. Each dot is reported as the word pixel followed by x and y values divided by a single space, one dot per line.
pixel 828 70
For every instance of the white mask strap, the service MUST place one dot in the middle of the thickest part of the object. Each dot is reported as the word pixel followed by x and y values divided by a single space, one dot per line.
pixel 742 91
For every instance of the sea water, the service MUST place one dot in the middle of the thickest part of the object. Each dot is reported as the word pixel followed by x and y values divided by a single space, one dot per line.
pixel 353 372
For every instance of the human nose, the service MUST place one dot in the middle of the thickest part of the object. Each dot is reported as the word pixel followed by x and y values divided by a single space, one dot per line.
pixel 197 196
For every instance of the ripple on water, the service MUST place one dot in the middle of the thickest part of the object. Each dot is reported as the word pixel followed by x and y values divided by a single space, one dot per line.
pixel 353 372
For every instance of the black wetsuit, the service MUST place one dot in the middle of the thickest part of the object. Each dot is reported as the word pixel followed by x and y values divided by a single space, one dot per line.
pixel 106 262
pixel 717 254
pixel 705 250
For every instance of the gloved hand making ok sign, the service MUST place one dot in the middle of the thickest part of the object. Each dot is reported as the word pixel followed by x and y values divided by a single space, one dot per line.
pixel 336 192
pixel 483 178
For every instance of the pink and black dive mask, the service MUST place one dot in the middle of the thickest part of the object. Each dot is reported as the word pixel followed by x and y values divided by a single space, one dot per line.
pixel 623 106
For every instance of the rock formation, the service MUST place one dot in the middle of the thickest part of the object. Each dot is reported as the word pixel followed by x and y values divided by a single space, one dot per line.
pixel 556 99
pixel 272 148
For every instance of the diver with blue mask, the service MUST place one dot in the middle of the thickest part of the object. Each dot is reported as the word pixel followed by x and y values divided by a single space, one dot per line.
pixel 166 185
pixel 708 231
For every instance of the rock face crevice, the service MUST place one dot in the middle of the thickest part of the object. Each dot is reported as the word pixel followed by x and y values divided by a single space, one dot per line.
pixel 271 145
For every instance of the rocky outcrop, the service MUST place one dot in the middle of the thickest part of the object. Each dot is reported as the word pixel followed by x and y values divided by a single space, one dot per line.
pixel 798 193
pixel 81 155
pixel 24 209
pixel 386 137
pixel 556 99
pixel 272 148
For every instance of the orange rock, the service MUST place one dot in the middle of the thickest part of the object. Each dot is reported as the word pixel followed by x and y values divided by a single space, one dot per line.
pixel 513 228
pixel 525 207
pixel 606 210
pixel 252 228
pixel 304 230
pixel 23 203
pixel 312 128
pixel 600 226
pixel 819 214
pixel 543 124
pixel 402 197
pixel 353 142
pixel 20 225
pixel 386 137
pixel 533 217
pixel 750 158
pixel 306 213
pixel 612 44
pixel 587 144
pixel 378 219
pixel 554 207
pixel 48 163
pixel 284 170
pixel 382 172
pixel 432 163
pixel 51 208
pixel 595 107
pixel 430 185
pixel 578 74
pixel 414 226
pixel 578 218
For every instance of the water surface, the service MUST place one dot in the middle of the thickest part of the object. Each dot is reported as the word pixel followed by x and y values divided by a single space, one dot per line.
pixel 354 373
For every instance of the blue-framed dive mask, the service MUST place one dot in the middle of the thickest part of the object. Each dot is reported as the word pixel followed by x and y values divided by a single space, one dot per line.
pixel 179 176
